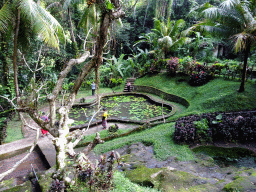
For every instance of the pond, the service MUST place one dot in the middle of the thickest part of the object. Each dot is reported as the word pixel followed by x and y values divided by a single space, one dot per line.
pixel 122 107
pixel 224 157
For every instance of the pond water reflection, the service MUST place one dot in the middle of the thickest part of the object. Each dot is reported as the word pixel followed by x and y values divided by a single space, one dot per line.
pixel 224 157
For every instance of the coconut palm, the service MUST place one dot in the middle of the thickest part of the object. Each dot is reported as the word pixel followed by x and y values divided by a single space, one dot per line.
pixel 166 36
pixel 29 19
pixel 234 19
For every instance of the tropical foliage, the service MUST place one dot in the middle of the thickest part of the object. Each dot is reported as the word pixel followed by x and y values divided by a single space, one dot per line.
pixel 233 19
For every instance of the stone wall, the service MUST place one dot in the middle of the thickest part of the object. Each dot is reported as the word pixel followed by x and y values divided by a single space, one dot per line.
pixel 166 96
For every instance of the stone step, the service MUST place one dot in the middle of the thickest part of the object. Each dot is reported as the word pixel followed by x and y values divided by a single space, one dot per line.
pixel 131 80
pixel 8 148
pixel 47 148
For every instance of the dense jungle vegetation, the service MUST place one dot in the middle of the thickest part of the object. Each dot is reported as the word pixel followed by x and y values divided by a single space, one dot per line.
pixel 200 50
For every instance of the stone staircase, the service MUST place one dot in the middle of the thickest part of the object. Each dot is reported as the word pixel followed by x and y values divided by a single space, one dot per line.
pixel 131 80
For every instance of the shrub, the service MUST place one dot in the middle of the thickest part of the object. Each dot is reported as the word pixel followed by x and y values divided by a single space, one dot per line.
pixel 198 79
pixel 235 126
pixel 202 130
pixel 172 66
pixel 186 64
pixel 155 66
pixel 119 81
pixel 113 82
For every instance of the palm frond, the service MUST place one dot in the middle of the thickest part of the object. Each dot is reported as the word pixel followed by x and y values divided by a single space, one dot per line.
pixel 229 4
pixel 201 8
pixel 212 13
pixel 83 21
pixel 157 25
pixel 44 24
pixel 5 16
pixel 157 32
pixel 176 28
pixel 239 42
pixel 89 18
pixel 179 42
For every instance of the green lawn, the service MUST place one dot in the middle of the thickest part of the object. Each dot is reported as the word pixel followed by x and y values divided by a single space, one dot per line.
pixel 13 130
pixel 217 95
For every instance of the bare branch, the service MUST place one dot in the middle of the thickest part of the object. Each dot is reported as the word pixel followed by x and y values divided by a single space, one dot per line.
pixel 25 123
pixel 87 37
pixel 10 101
pixel 64 73
pixel 22 160
pixel 25 61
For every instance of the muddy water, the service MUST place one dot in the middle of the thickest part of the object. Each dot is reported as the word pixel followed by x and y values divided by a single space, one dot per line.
pixel 36 158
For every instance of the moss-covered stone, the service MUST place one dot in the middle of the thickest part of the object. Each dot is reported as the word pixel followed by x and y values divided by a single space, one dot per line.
pixel 174 180
pixel 6 184
pixel 126 158
pixel 25 187
pixel 165 179
pixel 45 180
pixel 246 183
pixel 203 188
pixel 142 175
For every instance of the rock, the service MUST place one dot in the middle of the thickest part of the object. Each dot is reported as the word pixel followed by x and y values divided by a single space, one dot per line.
pixel 170 168
pixel 82 100
pixel 155 174
pixel 24 187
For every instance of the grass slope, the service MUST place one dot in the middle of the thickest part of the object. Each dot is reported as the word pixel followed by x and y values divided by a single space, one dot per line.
pixel 161 139
pixel 217 95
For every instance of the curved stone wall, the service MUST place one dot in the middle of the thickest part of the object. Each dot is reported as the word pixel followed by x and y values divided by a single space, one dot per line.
pixel 166 96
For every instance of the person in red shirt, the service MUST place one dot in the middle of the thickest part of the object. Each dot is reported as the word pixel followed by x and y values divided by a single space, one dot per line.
pixel 46 119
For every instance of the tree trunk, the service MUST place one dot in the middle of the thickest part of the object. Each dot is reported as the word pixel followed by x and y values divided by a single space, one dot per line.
pixel 72 32
pixel 5 73
pixel 97 78
pixel 246 54
pixel 15 54
pixel 61 142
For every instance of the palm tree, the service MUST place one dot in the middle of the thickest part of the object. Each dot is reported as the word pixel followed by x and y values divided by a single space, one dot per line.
pixel 234 19
pixel 166 36
pixel 34 20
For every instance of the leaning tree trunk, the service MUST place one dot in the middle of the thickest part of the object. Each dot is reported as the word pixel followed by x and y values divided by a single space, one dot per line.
pixel 246 54
pixel 15 54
